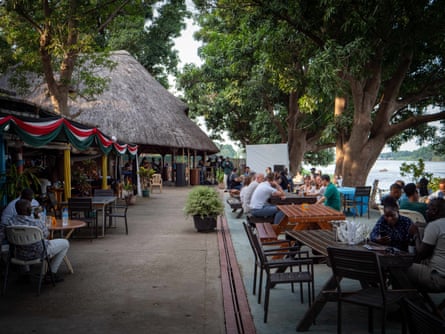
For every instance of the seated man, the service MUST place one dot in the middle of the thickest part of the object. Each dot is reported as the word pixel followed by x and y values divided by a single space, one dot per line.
pixel 395 191
pixel 391 228
pixel 256 179
pixel 10 212
pixel 56 248
pixel 331 196
pixel 412 200
pixel 259 206
pixel 235 181
pixel 430 273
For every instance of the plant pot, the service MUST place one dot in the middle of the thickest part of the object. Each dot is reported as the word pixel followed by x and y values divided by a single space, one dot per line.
pixel 221 185
pixel 146 193
pixel 130 199
pixel 205 224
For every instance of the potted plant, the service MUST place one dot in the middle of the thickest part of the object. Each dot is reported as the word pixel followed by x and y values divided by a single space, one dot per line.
pixel 17 181
pixel 220 178
pixel 128 192
pixel 145 174
pixel 204 205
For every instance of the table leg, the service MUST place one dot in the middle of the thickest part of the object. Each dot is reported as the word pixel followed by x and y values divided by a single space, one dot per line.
pixel 326 294
pixel 68 264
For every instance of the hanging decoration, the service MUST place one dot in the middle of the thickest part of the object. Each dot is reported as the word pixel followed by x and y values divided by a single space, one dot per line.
pixel 38 133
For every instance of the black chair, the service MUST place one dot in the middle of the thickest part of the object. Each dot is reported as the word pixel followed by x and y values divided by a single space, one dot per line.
pixel 361 197
pixel 257 262
pixel 117 212
pixel 26 236
pixel 288 257
pixel 81 208
pixel 420 321
pixel 103 192
pixel 363 266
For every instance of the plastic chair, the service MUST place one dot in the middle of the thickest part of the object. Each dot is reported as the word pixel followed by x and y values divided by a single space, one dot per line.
pixel 22 236
pixel 363 266
pixel 156 181
pixel 361 197
pixel 420 321
pixel 415 216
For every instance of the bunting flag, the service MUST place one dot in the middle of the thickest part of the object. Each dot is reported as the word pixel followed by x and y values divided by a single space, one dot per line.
pixel 38 133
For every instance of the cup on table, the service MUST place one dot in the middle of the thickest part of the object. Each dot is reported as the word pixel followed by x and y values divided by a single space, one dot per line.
pixel 48 221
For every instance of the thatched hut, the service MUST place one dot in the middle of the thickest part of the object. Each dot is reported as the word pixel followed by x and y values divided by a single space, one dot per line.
pixel 137 109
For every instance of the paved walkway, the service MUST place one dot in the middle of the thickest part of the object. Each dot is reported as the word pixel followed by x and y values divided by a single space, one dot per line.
pixel 163 277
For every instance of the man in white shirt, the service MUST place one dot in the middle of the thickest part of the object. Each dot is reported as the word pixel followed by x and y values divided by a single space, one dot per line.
pixel 247 193
pixel 259 206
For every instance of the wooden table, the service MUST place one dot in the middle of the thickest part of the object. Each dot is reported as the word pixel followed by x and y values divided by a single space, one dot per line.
pixel 320 240
pixel 292 199
pixel 309 216
pixel 72 225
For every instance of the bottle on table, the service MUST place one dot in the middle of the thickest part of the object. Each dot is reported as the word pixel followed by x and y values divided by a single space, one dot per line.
pixel 65 217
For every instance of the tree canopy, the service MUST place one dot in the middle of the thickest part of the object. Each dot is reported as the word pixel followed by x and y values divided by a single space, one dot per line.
pixel 351 74
pixel 64 41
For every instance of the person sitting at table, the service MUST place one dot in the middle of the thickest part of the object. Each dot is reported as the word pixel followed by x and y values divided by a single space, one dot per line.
pixel 235 181
pixel 308 188
pixel 259 206
pixel 10 212
pixel 428 271
pixel 331 196
pixel 412 200
pixel 438 193
pixel 391 228
pixel 395 191
pixel 56 248
pixel 256 179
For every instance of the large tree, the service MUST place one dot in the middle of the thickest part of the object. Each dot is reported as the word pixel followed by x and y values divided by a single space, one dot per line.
pixel 64 40
pixel 383 61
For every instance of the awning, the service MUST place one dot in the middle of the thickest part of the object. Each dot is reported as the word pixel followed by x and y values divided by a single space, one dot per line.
pixel 40 132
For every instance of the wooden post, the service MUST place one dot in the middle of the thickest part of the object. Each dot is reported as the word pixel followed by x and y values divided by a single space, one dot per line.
pixel 104 171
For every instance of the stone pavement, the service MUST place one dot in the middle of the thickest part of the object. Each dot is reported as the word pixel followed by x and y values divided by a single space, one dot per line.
pixel 163 277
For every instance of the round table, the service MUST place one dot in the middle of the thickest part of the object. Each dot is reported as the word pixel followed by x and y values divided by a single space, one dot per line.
pixel 70 227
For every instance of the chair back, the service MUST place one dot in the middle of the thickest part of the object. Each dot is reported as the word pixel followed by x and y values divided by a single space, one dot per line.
pixel 415 216
pixel 77 205
pixel 420 321
pixel 364 191
pixel 250 237
pixel 23 235
pixel 361 265
pixel 156 179
pixel 103 192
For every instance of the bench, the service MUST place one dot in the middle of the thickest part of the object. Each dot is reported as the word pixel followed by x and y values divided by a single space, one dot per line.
pixel 252 220
pixel 238 318
pixel 265 232
pixel 235 204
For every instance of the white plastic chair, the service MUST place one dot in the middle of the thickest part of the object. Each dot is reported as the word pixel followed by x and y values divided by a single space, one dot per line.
pixel 20 236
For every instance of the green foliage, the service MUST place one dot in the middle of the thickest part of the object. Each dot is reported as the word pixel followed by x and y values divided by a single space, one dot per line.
pixel 425 153
pixel 203 201
pixel 220 175
pixel 145 175
pixel 16 182
pixel 417 171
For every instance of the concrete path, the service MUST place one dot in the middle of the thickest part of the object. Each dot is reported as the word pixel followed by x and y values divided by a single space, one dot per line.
pixel 163 277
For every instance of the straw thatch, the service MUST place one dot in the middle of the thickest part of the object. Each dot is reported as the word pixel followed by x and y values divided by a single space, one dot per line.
pixel 136 109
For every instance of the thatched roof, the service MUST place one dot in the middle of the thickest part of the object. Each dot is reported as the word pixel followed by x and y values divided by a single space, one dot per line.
pixel 136 109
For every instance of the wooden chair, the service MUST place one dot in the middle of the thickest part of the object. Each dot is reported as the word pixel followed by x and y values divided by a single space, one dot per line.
pixel 81 208
pixel 363 266
pixel 23 236
pixel 156 181
pixel 361 197
pixel 420 321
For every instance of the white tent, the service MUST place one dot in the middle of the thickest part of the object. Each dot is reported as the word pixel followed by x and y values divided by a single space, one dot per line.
pixel 258 157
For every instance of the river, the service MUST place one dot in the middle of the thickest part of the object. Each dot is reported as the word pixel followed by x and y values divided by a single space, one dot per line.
pixel 388 171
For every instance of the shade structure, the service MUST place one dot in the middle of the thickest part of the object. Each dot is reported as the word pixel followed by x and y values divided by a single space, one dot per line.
pixel 134 108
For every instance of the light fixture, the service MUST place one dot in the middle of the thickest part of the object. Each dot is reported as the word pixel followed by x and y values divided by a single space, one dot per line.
pixel 6 128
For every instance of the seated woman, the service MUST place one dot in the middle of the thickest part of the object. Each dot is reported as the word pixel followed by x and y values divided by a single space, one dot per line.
pixel 235 181
pixel 391 228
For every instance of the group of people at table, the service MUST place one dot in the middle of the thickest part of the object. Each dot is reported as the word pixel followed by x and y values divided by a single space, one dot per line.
pixel 19 212
pixel 392 229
